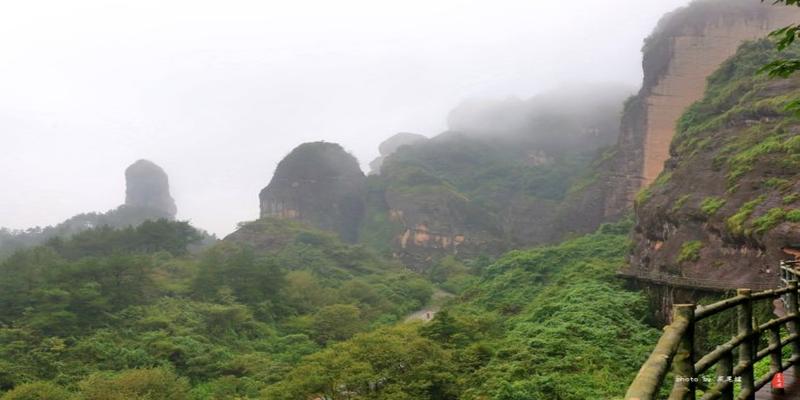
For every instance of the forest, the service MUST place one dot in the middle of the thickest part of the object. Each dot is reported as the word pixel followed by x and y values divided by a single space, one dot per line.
pixel 130 314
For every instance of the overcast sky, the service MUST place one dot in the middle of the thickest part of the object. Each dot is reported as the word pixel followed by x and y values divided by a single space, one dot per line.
pixel 217 92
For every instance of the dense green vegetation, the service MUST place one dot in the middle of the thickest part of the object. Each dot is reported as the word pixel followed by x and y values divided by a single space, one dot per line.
pixel 129 314
pixel 486 171
pixel 121 217
pixel 538 324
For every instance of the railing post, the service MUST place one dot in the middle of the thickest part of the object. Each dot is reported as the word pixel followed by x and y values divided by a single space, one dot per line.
pixel 746 349
pixel 683 363
pixel 725 372
pixel 792 326
pixel 784 273
pixel 775 362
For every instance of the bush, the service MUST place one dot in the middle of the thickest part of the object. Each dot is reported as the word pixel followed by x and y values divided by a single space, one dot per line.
pixel 690 251
pixel 336 322
pixel 793 216
pixel 736 223
pixel 711 205
pixel 769 220
pixel 37 391
pixel 137 384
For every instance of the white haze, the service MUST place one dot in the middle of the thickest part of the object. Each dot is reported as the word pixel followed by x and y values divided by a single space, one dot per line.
pixel 217 92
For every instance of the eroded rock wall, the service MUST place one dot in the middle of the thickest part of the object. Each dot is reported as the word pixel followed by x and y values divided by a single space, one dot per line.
pixel 688 45
pixel 726 209
pixel 438 221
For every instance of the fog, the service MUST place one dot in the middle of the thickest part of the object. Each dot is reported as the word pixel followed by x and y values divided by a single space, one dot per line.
pixel 217 92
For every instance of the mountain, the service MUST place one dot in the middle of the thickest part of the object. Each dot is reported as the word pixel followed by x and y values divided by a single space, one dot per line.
pixel 502 178
pixel 319 183
pixel 466 194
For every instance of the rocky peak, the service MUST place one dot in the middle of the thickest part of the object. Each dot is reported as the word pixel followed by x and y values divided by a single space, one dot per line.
pixel 319 183
pixel 147 186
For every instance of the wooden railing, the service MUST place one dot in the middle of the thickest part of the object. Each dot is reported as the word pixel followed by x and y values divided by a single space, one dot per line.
pixel 676 347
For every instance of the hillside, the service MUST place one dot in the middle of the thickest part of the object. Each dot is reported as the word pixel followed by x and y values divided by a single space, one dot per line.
pixel 723 211
pixel 504 178
pixel 129 314
pixel 536 325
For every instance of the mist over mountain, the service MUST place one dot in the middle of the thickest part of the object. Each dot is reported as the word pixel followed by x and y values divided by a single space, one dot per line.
pixel 526 231
pixel 576 117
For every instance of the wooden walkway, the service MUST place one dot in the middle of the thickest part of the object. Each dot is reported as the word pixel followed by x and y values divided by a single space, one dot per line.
pixel 792 391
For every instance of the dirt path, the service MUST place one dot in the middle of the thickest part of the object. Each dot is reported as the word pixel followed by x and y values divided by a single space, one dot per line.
pixel 427 312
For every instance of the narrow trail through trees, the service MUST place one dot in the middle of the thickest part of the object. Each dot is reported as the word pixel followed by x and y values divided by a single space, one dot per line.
pixel 427 312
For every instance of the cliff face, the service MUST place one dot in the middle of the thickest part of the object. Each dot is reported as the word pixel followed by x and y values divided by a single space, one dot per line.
pixel 686 47
pixel 321 184
pixel 431 218
pixel 726 209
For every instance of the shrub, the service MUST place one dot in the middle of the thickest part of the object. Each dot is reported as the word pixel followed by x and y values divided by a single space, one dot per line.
pixel 711 205
pixel 136 384
pixel 643 196
pixel 336 322
pixel 769 220
pixel 690 251
pixel 37 391
pixel 680 202
pixel 789 199
pixel 736 222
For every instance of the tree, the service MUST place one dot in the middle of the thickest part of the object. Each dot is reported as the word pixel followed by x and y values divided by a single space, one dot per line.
pixel 37 391
pixel 250 279
pixel 784 67
pixel 137 384
pixel 336 322
pixel 393 363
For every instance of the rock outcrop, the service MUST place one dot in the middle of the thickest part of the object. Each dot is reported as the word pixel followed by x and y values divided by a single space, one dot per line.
pixel 685 48
pixel 147 187
pixel 434 220
pixel 321 184
pixel 726 209
pixel 390 145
